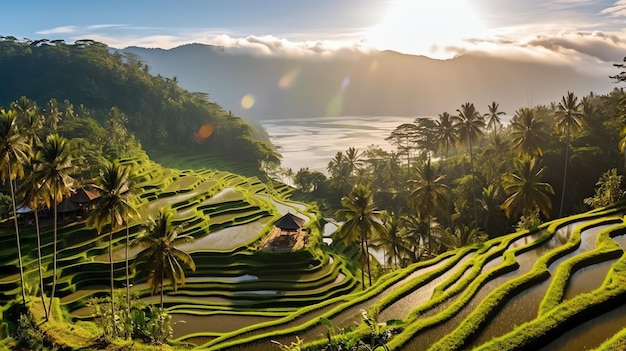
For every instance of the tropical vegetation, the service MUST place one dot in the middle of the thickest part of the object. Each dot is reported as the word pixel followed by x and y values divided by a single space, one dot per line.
pixel 464 212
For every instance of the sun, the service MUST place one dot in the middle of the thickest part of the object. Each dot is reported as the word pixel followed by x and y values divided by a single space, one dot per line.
pixel 426 27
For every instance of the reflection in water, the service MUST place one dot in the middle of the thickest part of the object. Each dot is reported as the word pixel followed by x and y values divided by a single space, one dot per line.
pixel 592 333
pixel 524 306
pixel 312 142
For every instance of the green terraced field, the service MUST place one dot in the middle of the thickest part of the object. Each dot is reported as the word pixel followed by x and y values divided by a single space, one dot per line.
pixel 560 287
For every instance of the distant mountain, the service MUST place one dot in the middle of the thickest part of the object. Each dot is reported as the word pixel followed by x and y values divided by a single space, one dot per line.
pixel 375 84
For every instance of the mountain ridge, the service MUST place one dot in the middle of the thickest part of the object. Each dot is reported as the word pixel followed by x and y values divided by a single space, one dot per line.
pixel 372 84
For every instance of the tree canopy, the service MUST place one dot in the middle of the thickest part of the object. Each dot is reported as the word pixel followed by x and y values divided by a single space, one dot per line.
pixel 162 115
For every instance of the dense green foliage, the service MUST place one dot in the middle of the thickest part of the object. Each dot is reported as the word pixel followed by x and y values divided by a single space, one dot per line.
pixel 454 178
pixel 163 116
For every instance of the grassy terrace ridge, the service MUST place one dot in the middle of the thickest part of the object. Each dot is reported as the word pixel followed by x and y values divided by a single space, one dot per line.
pixel 242 297
pixel 228 214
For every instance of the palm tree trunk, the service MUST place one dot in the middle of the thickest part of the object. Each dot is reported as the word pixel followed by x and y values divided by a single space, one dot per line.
pixel 111 276
pixel 430 238
pixel 564 177
pixel 473 182
pixel 43 299
pixel 361 244
pixel 162 280
pixel 367 257
pixel 17 236
pixel 127 277
pixel 54 249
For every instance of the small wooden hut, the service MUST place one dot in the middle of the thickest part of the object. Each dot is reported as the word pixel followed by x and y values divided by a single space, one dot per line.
pixel 290 231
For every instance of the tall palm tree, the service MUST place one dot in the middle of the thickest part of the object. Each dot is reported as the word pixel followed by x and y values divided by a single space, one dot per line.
pixel 568 120
pixel 52 115
pixel 113 206
pixel 413 227
pixel 490 202
pixel 495 158
pixel 445 133
pixel 428 192
pixel 393 241
pixel 340 173
pixel 33 193
pixel 162 260
pixel 353 157
pixel 527 133
pixel 527 193
pixel 493 117
pixel 362 220
pixel 14 151
pixel 470 125
pixel 53 167
pixel 426 138
pixel 405 138
pixel 29 119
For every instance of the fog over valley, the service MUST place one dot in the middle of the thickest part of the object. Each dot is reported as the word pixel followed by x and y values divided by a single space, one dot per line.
pixel 370 83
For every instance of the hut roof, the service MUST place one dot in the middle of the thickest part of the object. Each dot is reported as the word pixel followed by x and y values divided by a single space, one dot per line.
pixel 67 206
pixel 21 209
pixel 289 222
pixel 82 196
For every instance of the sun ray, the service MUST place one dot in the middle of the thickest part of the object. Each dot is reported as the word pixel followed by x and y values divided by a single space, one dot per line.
pixel 426 27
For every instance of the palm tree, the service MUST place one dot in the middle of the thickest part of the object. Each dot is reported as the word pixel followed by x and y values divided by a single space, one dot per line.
pixel 490 203
pixel 469 124
pixel 394 241
pixel 569 119
pixel 340 173
pixel 461 235
pixel 353 158
pixel 493 117
pixel 33 193
pixel 162 260
pixel 53 167
pixel 52 115
pixel 362 220
pixel 428 192
pixel 404 137
pixel 426 138
pixel 14 151
pixel 445 133
pixel 29 119
pixel 413 230
pixel 527 193
pixel 113 206
pixel 527 133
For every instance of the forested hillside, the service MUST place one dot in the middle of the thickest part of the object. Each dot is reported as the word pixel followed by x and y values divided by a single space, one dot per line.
pixel 163 116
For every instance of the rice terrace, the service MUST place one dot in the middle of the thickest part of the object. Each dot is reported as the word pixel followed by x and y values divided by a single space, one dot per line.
pixel 567 275
pixel 138 215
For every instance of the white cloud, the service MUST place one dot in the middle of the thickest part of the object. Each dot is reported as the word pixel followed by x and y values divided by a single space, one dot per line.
pixel 151 41
pixel 617 10
pixel 58 30
pixel 102 26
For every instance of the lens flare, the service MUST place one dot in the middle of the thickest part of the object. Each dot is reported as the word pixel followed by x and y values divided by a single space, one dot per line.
pixel 288 79
pixel 247 101
pixel 204 132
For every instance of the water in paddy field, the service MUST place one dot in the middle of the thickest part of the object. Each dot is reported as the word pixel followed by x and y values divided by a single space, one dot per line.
pixel 313 142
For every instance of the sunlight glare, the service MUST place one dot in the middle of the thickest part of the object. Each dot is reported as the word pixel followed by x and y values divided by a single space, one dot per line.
pixel 426 27
pixel 247 101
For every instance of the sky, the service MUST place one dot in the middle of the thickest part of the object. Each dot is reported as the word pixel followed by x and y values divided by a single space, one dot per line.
pixel 575 31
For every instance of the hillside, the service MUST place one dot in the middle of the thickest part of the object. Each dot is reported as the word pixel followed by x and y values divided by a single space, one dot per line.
pixel 163 116
pixel 365 84
pixel 560 287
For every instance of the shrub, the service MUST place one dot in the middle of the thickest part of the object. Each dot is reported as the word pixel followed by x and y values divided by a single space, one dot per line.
pixel 29 336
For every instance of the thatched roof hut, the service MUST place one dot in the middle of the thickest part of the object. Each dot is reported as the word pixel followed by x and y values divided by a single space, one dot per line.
pixel 82 196
pixel 289 222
